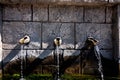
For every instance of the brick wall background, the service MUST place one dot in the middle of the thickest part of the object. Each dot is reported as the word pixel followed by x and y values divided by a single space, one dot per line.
pixel 43 23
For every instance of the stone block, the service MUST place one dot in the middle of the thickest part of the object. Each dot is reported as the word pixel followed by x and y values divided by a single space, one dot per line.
pixel 109 13
pixel 52 30
pixel 66 14
pixel 94 14
pixel 86 30
pixel 13 31
pixel 101 32
pixel 40 13
pixel 17 12
pixel 10 55
pixel 106 36
pixel 55 1
pixel 41 54
pixel 71 52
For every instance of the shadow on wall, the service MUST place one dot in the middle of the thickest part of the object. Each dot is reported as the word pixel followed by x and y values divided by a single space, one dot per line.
pixel 109 66
pixel 10 56
pixel 7 61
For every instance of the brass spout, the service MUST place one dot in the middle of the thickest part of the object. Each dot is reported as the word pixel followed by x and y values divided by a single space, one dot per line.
pixel 57 41
pixel 94 41
pixel 25 40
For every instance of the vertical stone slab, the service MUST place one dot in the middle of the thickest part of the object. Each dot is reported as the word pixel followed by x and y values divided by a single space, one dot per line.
pixel 118 36
pixel 0 37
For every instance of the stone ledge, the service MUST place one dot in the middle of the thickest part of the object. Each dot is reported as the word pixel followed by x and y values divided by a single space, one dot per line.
pixel 68 2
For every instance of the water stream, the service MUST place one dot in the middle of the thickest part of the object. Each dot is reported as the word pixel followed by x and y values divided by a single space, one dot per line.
pixel 97 54
pixel 21 64
pixel 58 62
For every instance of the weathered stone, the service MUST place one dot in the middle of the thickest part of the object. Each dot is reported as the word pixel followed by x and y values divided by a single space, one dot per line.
pixel 13 31
pixel 101 32
pixel 66 14
pixel 41 54
pixel 56 1
pixel 86 30
pixel 106 36
pixel 71 52
pixel 108 54
pixel 80 35
pixel 109 13
pixel 53 30
pixel 17 12
pixel 12 58
pixel 116 35
pixel 114 1
pixel 46 22
pixel 94 14
pixel 9 55
pixel 40 13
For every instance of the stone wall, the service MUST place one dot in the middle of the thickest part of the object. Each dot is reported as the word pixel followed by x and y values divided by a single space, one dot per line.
pixel 66 2
pixel 43 23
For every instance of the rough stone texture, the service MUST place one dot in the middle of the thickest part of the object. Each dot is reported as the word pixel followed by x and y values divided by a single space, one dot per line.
pixel 13 31
pixel 17 12
pixel 14 56
pixel 46 22
pixel 71 52
pixel 101 32
pixel 84 30
pixel 11 55
pixel 106 36
pixel 40 13
pixel 57 1
pixel 53 30
pixel 109 13
pixel 94 14
pixel 41 54
pixel 66 14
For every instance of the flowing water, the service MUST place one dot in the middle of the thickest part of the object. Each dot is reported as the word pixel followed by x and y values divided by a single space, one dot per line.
pixel 22 59
pixel 97 54
pixel 58 62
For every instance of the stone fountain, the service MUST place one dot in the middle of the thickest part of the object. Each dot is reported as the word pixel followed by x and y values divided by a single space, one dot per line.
pixel 23 41
pixel 90 48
